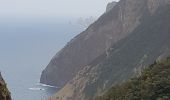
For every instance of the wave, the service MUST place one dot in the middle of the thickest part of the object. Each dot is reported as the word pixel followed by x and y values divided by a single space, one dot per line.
pixel 37 89
pixel 45 85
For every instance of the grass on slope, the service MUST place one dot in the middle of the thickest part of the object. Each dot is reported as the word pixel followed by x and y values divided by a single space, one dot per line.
pixel 152 84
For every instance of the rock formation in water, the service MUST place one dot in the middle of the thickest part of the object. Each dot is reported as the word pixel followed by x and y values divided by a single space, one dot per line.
pixel 4 93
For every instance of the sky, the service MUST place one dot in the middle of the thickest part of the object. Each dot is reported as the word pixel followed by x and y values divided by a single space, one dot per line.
pixel 52 8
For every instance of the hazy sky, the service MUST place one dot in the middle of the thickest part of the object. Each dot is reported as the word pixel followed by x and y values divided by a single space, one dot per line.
pixel 52 7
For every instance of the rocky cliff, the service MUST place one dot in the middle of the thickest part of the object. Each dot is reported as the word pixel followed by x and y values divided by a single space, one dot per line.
pixel 110 6
pixel 143 37
pixel 4 93
pixel 94 41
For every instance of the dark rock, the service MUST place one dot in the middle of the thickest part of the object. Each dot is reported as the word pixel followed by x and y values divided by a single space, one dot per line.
pixel 4 93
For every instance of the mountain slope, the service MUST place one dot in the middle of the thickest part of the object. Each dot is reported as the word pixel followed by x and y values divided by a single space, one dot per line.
pixel 152 84
pixel 94 41
pixel 4 93
pixel 149 41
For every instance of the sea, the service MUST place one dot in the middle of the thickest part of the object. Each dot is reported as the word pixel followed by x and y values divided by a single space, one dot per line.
pixel 26 47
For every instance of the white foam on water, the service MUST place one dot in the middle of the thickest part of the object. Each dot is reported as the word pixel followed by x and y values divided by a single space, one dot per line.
pixel 45 85
pixel 37 89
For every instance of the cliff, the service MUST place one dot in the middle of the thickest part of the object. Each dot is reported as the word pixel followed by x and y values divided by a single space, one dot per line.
pixel 4 93
pixel 110 6
pixel 137 48
pixel 94 41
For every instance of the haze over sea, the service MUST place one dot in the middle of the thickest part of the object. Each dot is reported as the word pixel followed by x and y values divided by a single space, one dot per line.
pixel 31 32
pixel 26 47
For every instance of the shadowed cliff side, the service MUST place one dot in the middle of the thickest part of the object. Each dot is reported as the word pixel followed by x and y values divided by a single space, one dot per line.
pixel 4 93
pixel 111 27
pixel 149 41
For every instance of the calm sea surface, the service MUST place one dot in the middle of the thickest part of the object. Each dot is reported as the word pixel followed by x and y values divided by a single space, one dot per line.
pixel 26 47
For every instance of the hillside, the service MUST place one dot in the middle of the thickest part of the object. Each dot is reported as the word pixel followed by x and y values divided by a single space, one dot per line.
pixel 4 93
pixel 153 83
pixel 149 41
pixel 94 41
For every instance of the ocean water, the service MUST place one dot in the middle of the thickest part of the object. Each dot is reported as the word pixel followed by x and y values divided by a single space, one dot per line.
pixel 26 47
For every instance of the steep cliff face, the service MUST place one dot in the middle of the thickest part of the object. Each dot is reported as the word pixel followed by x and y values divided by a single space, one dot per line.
pixel 147 42
pixel 154 4
pixel 94 41
pixel 4 93
pixel 110 6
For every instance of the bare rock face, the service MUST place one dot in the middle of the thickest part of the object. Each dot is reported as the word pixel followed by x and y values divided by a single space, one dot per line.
pixel 94 41
pixel 124 50
pixel 4 93
pixel 147 42
pixel 110 6
pixel 154 4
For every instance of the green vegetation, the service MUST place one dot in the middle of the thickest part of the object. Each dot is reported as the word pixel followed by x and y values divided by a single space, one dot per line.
pixel 152 84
